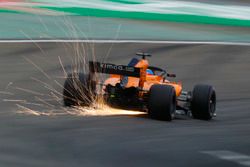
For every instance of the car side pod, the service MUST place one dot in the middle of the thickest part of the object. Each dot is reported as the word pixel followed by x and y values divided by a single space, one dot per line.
pixel 203 103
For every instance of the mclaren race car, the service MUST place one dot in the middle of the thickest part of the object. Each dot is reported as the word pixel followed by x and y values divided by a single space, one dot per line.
pixel 139 86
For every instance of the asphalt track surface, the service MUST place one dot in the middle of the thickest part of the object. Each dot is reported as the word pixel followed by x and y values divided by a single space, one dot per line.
pixel 123 140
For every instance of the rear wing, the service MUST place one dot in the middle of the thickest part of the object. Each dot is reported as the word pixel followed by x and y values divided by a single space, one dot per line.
pixel 97 67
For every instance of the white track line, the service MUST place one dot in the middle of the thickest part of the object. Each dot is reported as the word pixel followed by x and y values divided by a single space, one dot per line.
pixel 230 156
pixel 125 41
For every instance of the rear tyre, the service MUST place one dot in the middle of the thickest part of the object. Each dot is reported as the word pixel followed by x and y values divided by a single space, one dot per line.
pixel 162 102
pixel 78 90
pixel 203 104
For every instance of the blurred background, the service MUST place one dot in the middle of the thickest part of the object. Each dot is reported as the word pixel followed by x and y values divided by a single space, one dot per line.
pixel 200 20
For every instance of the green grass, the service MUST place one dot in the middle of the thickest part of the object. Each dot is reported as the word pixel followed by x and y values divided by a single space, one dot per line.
pixel 8 11
pixel 154 16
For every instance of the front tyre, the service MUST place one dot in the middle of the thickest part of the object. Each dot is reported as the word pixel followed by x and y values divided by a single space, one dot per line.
pixel 203 104
pixel 162 102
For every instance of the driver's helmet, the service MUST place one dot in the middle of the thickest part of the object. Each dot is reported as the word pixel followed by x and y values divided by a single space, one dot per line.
pixel 150 72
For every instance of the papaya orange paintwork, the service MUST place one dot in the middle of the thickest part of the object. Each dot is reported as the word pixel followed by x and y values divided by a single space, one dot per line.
pixel 145 81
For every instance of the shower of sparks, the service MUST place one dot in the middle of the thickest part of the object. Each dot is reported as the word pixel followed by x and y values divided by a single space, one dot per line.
pixel 78 111
pixel 6 93
pixel 43 104
pixel 106 110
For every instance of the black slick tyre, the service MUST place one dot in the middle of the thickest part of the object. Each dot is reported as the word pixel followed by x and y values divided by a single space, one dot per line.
pixel 78 90
pixel 162 102
pixel 203 104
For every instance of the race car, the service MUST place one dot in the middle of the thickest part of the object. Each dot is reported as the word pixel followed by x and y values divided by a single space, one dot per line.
pixel 141 87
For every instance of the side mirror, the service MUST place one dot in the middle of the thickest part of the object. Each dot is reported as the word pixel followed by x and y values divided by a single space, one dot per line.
pixel 171 75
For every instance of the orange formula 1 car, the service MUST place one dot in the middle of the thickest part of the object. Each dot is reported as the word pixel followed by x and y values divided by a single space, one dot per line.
pixel 142 87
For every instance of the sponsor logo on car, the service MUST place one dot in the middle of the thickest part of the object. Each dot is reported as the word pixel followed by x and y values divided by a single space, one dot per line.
pixel 117 67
